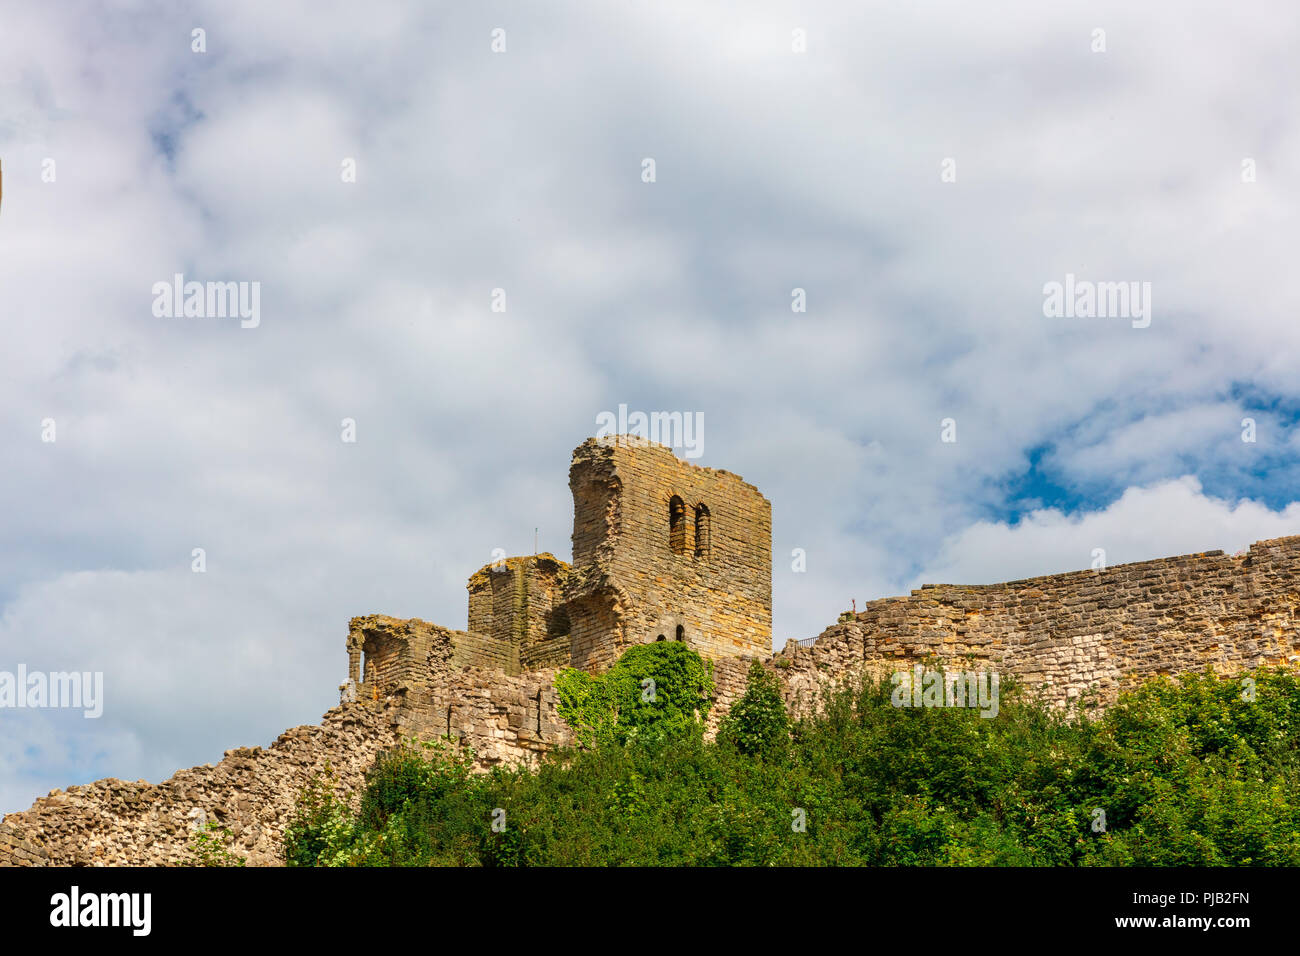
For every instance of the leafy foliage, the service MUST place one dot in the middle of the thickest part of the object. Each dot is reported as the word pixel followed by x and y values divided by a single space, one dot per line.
pixel 1174 774
pixel 321 830
pixel 654 693
pixel 207 847
pixel 757 724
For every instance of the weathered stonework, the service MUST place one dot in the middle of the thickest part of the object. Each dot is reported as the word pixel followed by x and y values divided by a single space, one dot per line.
pixel 662 550
pixel 643 567
pixel 252 792
pixel 665 550
pixel 518 602
pixel 1065 634
pixel 438 690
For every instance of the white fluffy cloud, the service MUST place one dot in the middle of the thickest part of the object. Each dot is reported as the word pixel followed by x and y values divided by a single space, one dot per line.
pixel 1163 519
pixel 522 171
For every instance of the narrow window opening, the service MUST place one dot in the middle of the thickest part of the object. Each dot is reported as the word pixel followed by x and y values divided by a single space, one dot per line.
pixel 703 530
pixel 681 633
pixel 677 525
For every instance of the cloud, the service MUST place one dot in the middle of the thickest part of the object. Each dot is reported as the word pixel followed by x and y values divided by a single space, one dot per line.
pixel 1163 519
pixel 522 171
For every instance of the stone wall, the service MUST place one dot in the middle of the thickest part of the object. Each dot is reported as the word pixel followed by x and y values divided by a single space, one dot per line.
pixel 515 602
pixel 505 717
pixel 477 650
pixel 505 720
pixel 663 549
pixel 17 850
pixel 729 682
pixel 252 791
pixel 392 651
pixel 1064 634
pixel 543 654
pixel 396 651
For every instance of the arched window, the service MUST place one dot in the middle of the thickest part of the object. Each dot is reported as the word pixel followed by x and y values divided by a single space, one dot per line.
pixel 703 537
pixel 659 638
pixel 677 525
pixel 681 633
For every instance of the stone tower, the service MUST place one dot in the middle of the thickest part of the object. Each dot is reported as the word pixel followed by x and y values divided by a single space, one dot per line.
pixel 664 550
pixel 519 603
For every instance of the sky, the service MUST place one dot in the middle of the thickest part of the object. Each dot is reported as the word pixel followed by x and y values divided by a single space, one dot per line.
pixel 391 173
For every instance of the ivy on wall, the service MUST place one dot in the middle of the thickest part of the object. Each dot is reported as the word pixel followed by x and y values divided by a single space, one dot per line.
pixel 659 691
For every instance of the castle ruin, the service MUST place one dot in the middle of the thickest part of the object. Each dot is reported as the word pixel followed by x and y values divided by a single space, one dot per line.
pixel 666 550
pixel 662 550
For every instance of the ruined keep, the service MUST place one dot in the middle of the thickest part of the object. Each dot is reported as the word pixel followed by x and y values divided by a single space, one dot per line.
pixel 663 550
pixel 666 550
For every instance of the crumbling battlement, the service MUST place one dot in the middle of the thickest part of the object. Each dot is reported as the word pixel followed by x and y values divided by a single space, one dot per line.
pixel 252 792
pixel 519 602
pixel 665 550
pixel 386 653
pixel 439 686
pixel 1064 634
pixel 662 550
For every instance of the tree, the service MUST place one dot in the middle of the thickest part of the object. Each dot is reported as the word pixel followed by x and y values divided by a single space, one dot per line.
pixel 757 724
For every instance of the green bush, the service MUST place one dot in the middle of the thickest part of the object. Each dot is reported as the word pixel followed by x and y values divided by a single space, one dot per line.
pixel 654 693
pixel 757 724
pixel 1174 774
pixel 321 830
pixel 207 847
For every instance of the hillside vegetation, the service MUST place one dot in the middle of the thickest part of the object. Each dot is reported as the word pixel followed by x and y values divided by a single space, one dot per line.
pixel 1193 773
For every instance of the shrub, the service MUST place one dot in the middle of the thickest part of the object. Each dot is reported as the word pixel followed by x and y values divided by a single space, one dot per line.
pixel 757 724
pixel 654 693
pixel 1173 774
pixel 320 832
pixel 208 847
